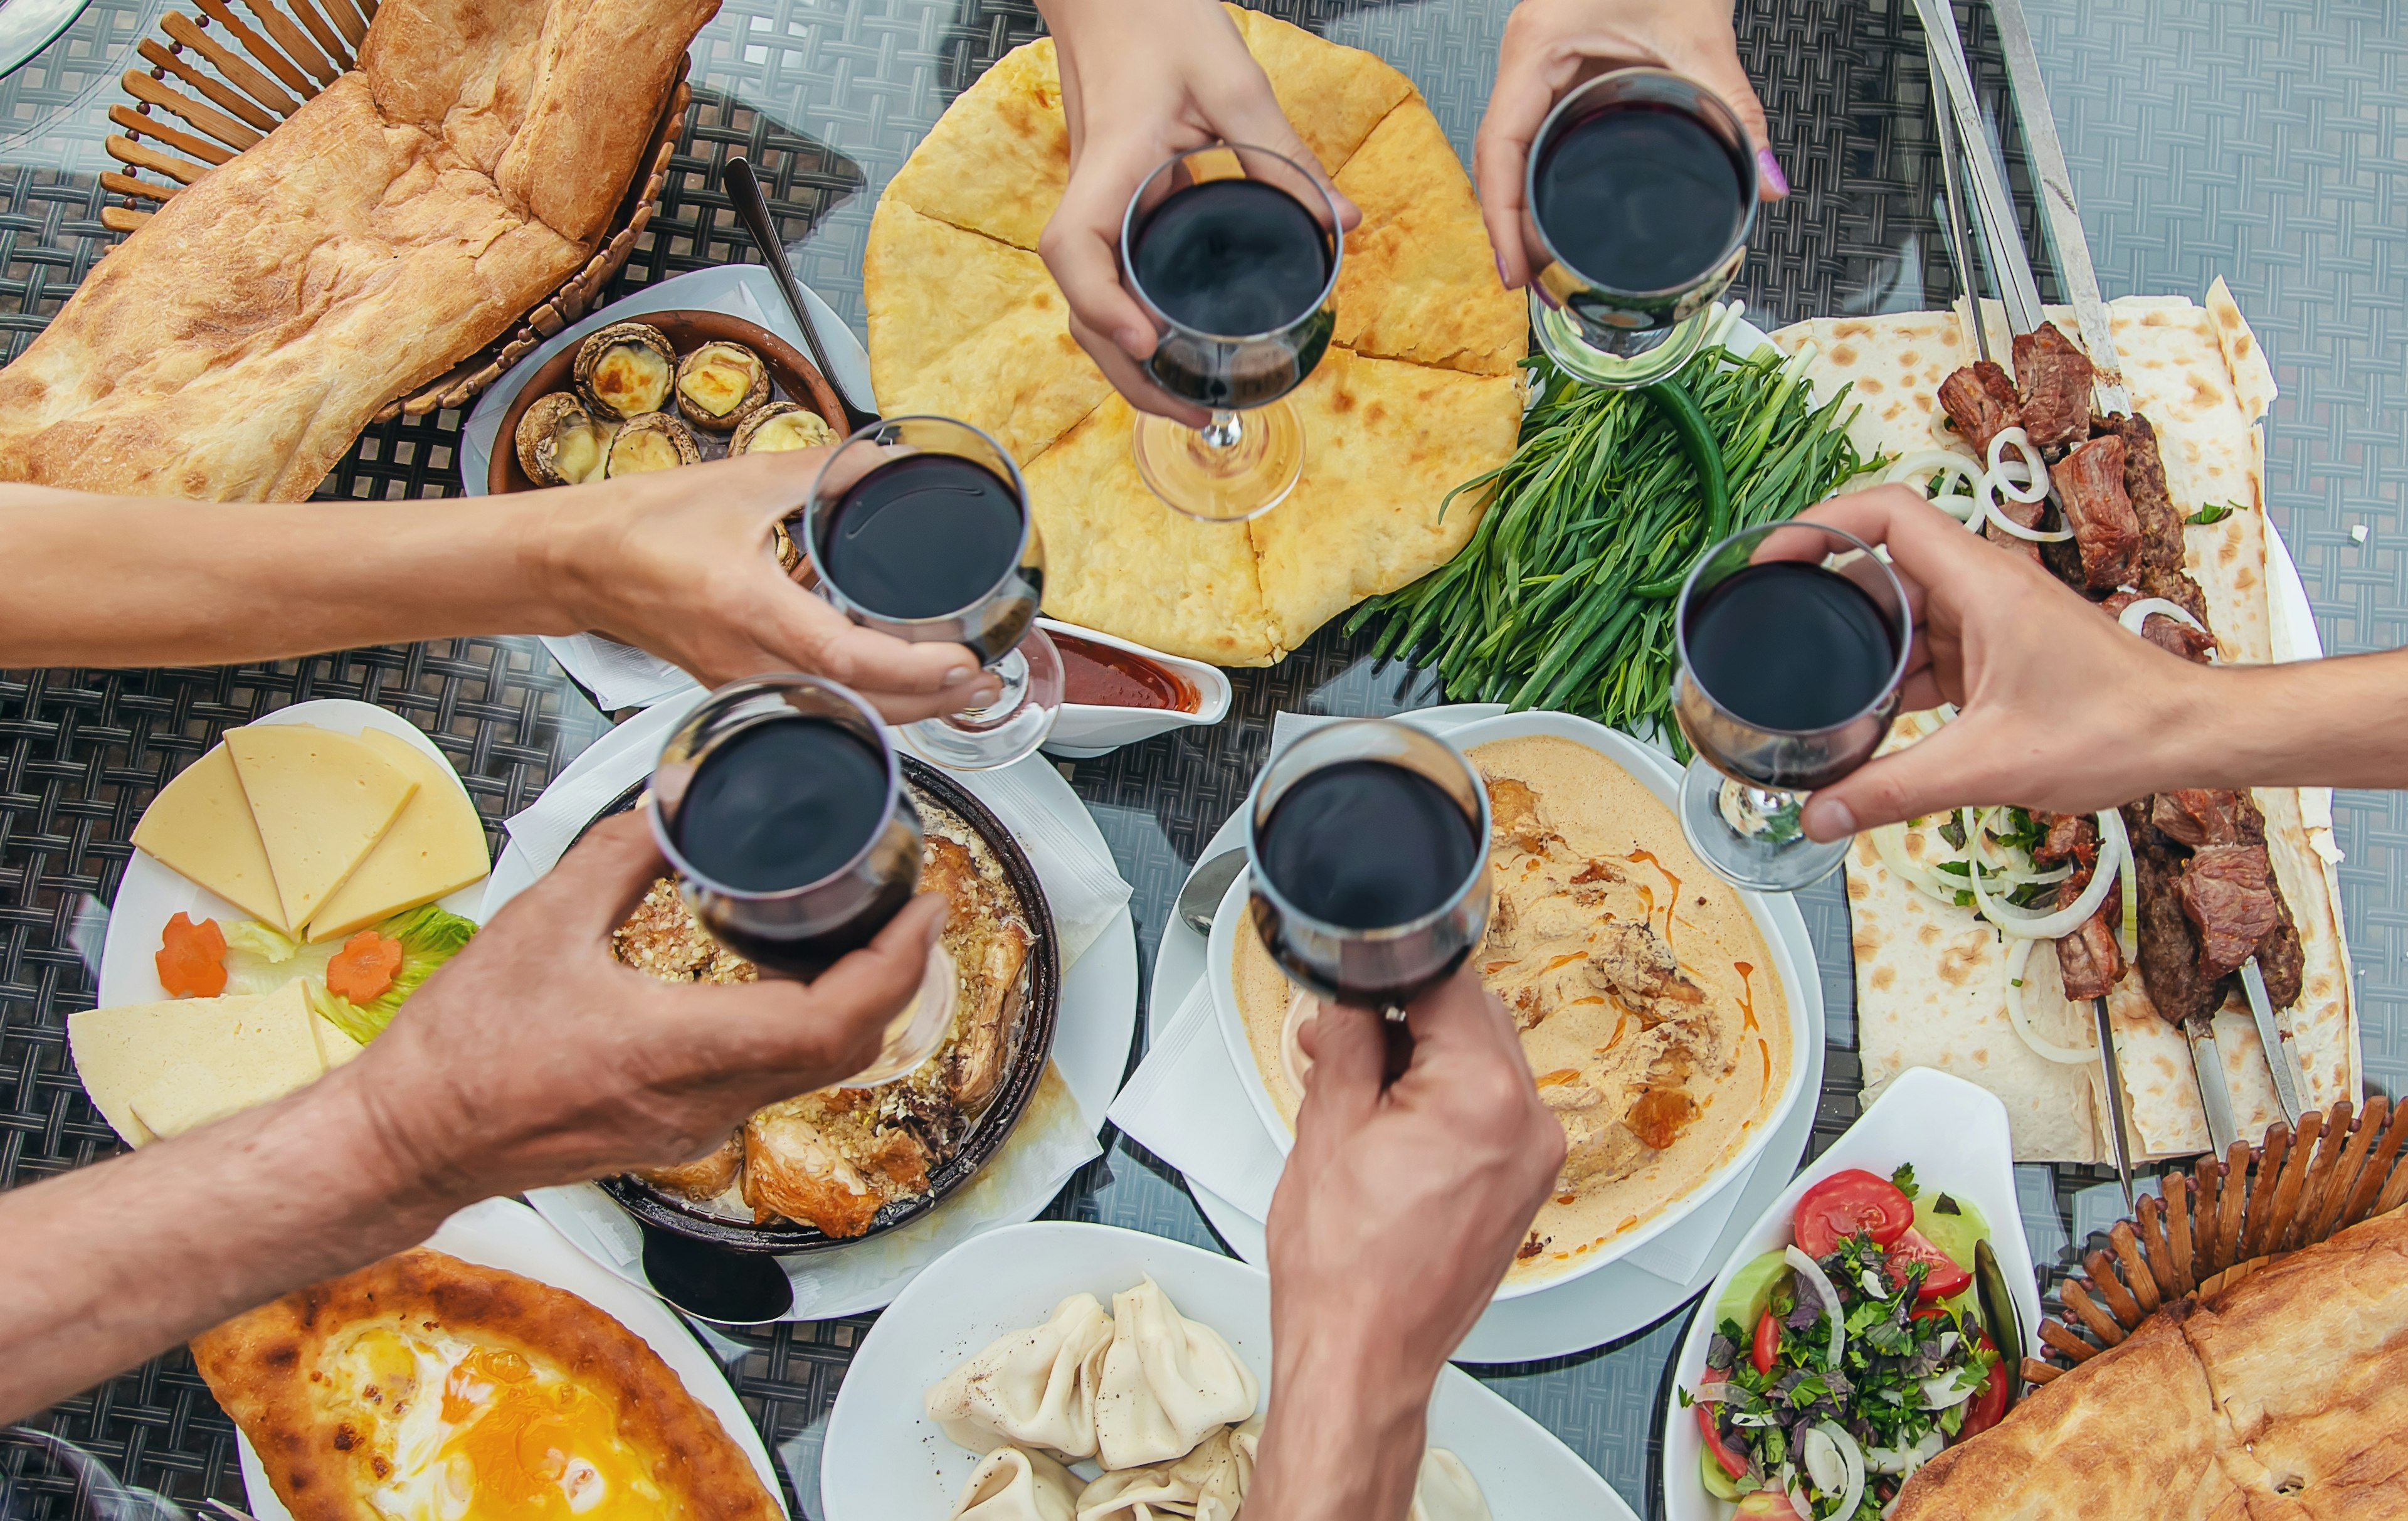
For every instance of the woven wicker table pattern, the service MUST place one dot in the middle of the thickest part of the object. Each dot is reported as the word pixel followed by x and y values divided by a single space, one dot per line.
pixel 2241 136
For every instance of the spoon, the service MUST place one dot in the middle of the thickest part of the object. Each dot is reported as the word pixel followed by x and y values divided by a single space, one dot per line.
pixel 743 187
pixel 1200 899
pixel 711 1282
pixel 2006 1323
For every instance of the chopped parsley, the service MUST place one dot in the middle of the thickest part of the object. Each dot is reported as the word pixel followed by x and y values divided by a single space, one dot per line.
pixel 1904 1179
pixel 2212 513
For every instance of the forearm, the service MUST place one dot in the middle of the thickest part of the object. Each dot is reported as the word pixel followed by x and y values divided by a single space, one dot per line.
pixel 1347 1425
pixel 2339 723
pixel 110 1264
pixel 137 581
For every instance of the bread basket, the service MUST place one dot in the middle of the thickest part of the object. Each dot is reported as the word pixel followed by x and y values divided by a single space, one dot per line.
pixel 231 83
pixel 2224 1220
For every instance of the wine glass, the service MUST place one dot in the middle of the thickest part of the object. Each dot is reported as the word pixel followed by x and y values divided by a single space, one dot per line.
pixel 1793 639
pixel 781 807
pixel 1368 841
pixel 1642 189
pixel 1234 253
pixel 919 528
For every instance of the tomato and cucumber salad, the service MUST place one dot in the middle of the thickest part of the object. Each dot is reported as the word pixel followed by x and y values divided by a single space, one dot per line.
pixel 1820 1410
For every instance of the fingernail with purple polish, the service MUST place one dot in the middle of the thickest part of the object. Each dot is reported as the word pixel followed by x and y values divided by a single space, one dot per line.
pixel 1501 277
pixel 1768 167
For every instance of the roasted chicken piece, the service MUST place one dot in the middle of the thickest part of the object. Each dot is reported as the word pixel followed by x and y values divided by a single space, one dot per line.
pixel 705 1178
pixel 1632 961
pixel 1513 816
pixel 823 1160
pixel 988 950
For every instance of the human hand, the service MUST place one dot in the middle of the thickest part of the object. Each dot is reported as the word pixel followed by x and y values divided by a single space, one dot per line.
pixel 679 563
pixel 1143 81
pixel 2059 705
pixel 535 1058
pixel 1397 1215
pixel 1552 45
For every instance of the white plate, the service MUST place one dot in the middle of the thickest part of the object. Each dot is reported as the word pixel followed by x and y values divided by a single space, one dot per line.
pixel 1093 1029
pixel 1658 775
pixel 1955 1135
pixel 149 894
pixel 1571 1316
pixel 884 1459
pixel 504 1233
pixel 1081 730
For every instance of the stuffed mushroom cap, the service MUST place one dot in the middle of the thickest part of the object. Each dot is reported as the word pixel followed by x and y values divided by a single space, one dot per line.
pixel 779 426
pixel 560 443
pixel 653 441
pixel 719 383
pixel 626 370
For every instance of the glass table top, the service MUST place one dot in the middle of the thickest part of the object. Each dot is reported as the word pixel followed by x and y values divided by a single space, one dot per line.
pixel 2258 139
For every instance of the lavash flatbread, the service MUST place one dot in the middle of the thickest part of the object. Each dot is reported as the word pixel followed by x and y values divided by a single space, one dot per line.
pixel 964 323
pixel 2199 377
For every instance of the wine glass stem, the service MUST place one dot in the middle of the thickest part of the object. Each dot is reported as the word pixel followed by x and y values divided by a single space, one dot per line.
pixel 1224 431
pixel 1012 671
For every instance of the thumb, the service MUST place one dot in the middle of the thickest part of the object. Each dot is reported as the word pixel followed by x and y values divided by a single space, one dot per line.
pixel 1720 70
pixel 596 885
pixel 1348 1051
pixel 1962 763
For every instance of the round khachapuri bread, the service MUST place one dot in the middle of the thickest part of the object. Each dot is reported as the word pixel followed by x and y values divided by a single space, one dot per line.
pixel 1419 392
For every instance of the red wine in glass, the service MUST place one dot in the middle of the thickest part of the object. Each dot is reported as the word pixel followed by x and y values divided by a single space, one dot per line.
pixel 1232 258
pixel 1790 646
pixel 926 535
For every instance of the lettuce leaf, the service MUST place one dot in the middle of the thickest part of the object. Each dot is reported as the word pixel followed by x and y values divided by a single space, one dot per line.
pixel 260 960
pixel 429 936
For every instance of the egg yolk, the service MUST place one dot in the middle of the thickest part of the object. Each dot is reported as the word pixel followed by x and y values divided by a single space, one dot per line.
pixel 525 1447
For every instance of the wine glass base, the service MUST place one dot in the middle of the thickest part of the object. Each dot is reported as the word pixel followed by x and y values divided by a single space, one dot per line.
pixel 1746 843
pixel 1007 729
pixel 1561 337
pixel 1222 483
pixel 918 1029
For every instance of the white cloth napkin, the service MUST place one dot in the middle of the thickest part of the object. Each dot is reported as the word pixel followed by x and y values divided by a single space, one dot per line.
pixel 1186 1103
pixel 619 676
pixel 1083 887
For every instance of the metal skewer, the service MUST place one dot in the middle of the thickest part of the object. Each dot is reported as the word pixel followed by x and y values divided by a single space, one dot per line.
pixel 2282 1058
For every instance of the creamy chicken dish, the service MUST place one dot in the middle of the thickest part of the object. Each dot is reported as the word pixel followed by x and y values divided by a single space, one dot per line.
pixel 1655 1025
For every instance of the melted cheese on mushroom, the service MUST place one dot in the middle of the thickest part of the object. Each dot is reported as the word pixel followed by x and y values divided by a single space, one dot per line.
pixel 579 450
pixel 718 376
pixel 637 451
pixel 790 430
pixel 632 378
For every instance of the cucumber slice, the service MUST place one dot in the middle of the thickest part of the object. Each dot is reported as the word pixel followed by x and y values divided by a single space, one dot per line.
pixel 1953 1230
pixel 1751 1292
pixel 1718 1483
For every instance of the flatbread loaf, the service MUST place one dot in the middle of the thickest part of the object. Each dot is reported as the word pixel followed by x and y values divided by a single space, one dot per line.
pixel 423 1385
pixel 2285 1396
pixel 1420 394
pixel 1930 980
pixel 234 345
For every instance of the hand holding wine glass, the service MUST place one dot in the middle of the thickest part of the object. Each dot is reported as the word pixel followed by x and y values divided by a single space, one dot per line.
pixel 1143 81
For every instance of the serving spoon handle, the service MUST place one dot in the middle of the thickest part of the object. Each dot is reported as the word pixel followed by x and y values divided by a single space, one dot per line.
pixel 743 187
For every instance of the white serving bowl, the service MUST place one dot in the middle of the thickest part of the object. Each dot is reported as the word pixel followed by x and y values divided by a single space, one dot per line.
pixel 1081 729
pixel 1655 772
pixel 1955 1135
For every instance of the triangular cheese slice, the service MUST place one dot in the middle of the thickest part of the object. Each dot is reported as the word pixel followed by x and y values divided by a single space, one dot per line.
pixel 157 1069
pixel 321 801
pixel 436 846
pixel 334 1048
pixel 200 827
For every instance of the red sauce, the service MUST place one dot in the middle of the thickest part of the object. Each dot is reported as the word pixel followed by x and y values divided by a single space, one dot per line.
pixel 1099 676
pixel 1672 896
pixel 1747 993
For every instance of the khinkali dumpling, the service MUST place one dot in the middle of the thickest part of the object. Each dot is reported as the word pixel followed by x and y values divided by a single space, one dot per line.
pixel 1033 1389
pixel 1209 1483
pixel 1168 1382
pixel 1016 1485
pixel 1447 1491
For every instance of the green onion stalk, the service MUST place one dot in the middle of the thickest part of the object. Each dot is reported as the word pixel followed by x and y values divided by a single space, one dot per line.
pixel 1564 596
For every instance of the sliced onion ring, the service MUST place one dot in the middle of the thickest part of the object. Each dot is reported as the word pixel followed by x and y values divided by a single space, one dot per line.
pixel 1991 510
pixel 1835 1309
pixel 1889 842
pixel 2021 442
pixel 2143 610
pixel 1708 1394
pixel 2114 857
pixel 1854 1457
pixel 2020 1017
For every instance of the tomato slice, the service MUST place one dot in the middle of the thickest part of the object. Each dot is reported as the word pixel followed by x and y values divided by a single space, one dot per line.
pixel 1988 1405
pixel 1767 1343
pixel 1732 1463
pixel 1944 1277
pixel 1847 1202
